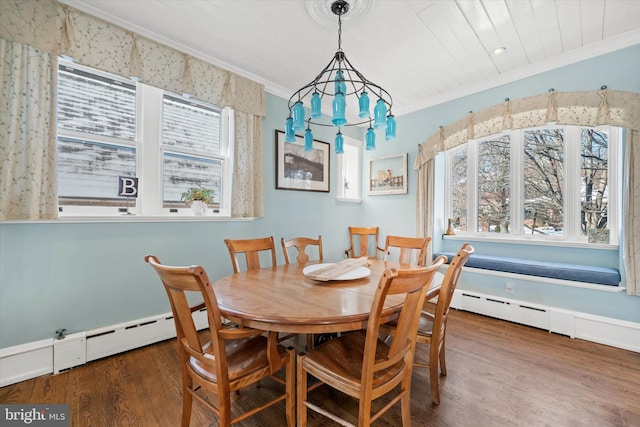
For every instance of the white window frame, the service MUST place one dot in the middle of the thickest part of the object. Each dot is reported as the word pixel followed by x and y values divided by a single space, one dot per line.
pixel 149 159
pixel 350 160
pixel 572 234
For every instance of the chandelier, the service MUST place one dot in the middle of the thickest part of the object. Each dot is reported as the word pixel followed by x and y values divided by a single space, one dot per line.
pixel 340 81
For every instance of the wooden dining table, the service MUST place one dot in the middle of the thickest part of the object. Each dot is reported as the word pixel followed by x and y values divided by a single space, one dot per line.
pixel 283 299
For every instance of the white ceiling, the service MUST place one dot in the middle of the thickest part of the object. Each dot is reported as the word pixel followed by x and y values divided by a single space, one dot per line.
pixel 423 52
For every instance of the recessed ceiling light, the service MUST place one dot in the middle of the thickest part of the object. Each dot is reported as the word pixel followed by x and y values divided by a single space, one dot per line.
pixel 499 50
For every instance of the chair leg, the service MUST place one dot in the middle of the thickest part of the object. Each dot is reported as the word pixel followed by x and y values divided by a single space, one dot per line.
pixel 290 377
pixel 187 398
pixel 433 373
pixel 224 410
pixel 187 402
pixel 405 404
pixel 443 363
pixel 309 342
pixel 433 377
pixel 301 395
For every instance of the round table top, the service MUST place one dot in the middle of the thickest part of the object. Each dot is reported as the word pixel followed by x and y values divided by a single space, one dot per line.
pixel 282 299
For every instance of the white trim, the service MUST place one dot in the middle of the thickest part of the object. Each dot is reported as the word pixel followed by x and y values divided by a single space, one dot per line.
pixel 127 218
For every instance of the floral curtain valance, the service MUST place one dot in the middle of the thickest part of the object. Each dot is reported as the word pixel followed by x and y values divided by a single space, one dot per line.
pixel 602 107
pixel 62 30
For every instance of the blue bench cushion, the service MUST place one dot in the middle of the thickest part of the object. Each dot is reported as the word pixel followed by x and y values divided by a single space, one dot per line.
pixel 554 270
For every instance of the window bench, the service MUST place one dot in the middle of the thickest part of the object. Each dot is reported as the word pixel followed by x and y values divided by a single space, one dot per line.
pixel 595 277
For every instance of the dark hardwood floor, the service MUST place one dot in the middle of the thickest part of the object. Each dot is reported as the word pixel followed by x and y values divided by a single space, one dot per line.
pixel 499 374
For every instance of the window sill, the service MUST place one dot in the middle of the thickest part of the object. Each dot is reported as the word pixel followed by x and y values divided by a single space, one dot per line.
pixel 525 241
pixel 127 218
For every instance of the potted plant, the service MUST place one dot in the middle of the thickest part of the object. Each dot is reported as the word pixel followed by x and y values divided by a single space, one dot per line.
pixel 198 198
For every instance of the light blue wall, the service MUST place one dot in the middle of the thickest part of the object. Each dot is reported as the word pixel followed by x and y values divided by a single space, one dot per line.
pixel 84 276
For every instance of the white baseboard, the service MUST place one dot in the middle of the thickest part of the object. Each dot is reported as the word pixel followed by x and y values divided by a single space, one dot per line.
pixel 30 360
pixel 26 361
pixel 603 330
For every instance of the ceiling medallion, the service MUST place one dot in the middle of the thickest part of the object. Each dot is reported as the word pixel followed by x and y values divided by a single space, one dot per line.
pixel 320 11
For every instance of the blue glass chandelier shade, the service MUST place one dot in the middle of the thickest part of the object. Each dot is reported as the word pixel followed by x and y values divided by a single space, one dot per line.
pixel 390 130
pixel 289 133
pixel 339 141
pixel 340 82
pixel 380 115
pixel 308 140
pixel 370 139
pixel 316 106
pixel 363 103
pixel 339 109
pixel 298 116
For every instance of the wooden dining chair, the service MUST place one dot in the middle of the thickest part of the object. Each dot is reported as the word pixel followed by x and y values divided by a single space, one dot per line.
pixel 432 326
pixel 301 243
pixel 363 366
pixel 231 360
pixel 251 248
pixel 363 242
pixel 411 250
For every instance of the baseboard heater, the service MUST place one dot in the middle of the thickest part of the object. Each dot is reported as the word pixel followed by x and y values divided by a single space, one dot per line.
pixel 603 330
pixel 53 355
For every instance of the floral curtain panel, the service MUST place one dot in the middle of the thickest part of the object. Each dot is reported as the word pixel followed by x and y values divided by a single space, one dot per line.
pixel 603 107
pixel 27 133
pixel 57 29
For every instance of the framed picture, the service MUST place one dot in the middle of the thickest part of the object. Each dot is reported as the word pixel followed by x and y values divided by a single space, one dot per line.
pixel 301 170
pixel 388 175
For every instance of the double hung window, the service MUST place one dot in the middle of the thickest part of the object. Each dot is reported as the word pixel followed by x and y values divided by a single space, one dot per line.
pixel 111 127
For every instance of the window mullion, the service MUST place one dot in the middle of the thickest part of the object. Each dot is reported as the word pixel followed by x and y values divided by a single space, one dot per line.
pixel 149 133
pixel 472 186
pixel 517 183
pixel 615 178
pixel 573 184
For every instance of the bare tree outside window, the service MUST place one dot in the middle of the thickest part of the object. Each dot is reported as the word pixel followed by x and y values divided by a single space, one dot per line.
pixel 459 190
pixel 544 152
pixel 552 183
pixel 493 184
pixel 594 151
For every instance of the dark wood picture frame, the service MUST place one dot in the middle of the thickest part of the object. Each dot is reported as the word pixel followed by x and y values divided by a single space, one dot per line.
pixel 301 170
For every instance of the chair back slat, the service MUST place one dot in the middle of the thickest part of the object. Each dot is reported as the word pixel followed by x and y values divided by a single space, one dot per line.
pixel 411 250
pixel 301 243
pixel 363 242
pixel 251 248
